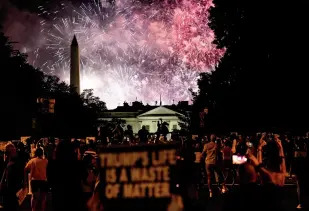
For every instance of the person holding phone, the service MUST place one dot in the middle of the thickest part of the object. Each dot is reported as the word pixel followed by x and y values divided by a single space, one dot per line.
pixel 273 174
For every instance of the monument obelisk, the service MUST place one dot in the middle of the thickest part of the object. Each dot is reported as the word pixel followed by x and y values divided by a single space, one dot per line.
pixel 75 66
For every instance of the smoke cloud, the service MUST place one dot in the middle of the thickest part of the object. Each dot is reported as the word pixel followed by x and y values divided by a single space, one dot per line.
pixel 21 26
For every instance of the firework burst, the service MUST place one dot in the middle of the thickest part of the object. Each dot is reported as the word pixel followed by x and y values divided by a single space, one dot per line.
pixel 130 49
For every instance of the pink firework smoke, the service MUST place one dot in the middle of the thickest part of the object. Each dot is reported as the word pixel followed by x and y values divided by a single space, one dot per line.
pixel 131 49
pixel 193 38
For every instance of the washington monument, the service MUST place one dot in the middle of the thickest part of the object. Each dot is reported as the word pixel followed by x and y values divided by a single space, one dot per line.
pixel 75 66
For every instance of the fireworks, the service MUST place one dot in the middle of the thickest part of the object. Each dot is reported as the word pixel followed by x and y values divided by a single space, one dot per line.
pixel 131 49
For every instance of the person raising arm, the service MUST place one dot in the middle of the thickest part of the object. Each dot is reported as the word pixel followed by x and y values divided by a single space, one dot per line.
pixel 276 169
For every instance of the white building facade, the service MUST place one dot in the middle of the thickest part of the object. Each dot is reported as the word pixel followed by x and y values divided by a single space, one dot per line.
pixel 148 118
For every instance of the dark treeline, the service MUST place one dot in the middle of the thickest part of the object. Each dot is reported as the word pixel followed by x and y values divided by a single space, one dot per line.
pixel 21 85
pixel 261 83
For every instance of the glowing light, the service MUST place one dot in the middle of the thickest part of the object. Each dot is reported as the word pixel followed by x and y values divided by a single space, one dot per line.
pixel 130 49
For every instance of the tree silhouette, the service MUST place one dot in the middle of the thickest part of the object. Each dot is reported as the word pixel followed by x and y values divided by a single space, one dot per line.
pixel 92 101
pixel 21 86
pixel 260 82
pixel 184 124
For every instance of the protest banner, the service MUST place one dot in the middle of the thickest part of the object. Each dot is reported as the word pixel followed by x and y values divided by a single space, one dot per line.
pixel 138 178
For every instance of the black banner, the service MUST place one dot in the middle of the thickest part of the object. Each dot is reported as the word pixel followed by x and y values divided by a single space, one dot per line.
pixel 138 178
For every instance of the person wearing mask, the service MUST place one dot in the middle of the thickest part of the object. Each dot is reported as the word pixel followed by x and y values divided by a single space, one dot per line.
pixel 11 182
pixel 37 167
pixel 211 150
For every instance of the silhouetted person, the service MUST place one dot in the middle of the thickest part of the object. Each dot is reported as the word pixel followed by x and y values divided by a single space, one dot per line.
pixel 129 133
pixel 239 145
pixel 12 178
pixel 89 177
pixel 164 129
pixel 143 135
pixel 118 133
pixel 105 132
pixel 22 154
pixel 273 174
pixel 91 146
pixel 159 125
pixel 211 149
pixel 187 179
pixel 28 145
pixel 66 178
pixel 205 123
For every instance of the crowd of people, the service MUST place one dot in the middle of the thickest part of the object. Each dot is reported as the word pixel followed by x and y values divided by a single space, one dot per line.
pixel 261 162
pixel 123 134
pixel 69 170
pixel 65 168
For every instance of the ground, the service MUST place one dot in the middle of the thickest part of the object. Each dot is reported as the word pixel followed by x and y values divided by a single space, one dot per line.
pixel 213 204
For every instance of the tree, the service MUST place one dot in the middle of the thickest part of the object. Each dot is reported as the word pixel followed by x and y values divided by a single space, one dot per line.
pixel 75 116
pixel 184 123
pixel 22 84
pixel 253 87
pixel 92 101
pixel 113 122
